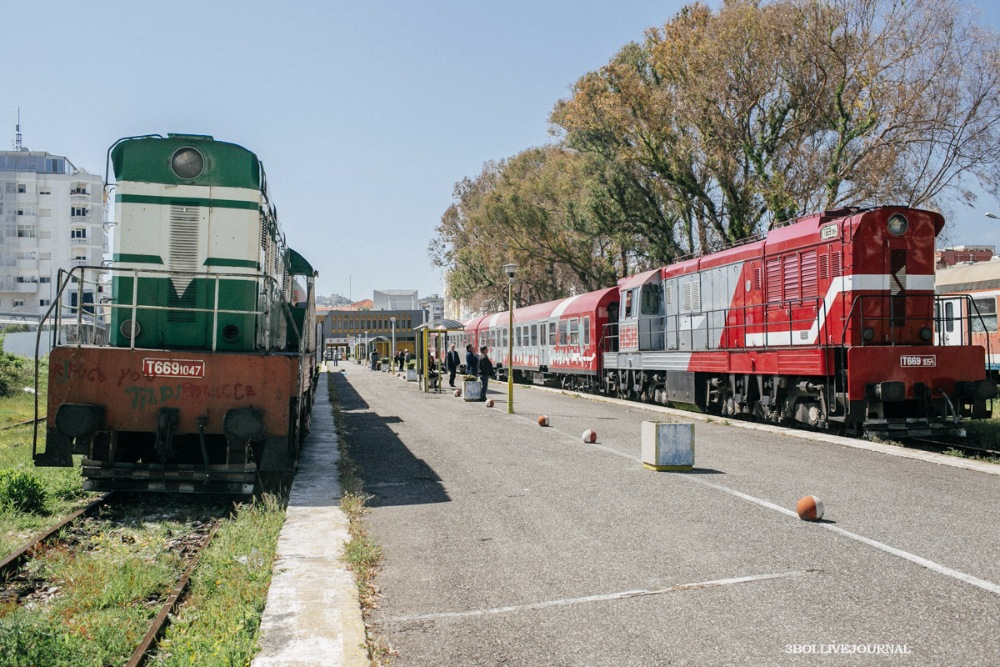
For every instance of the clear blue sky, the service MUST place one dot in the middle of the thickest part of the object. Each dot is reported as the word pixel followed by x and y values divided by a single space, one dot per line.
pixel 365 114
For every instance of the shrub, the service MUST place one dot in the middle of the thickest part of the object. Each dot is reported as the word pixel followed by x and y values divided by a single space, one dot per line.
pixel 21 491
pixel 14 373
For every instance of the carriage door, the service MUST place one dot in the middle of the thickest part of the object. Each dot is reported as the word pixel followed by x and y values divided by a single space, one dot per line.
pixel 949 322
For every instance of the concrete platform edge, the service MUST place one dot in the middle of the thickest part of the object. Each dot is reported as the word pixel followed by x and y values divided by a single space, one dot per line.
pixel 312 616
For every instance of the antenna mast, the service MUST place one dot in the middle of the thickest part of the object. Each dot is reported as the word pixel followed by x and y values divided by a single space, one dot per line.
pixel 17 136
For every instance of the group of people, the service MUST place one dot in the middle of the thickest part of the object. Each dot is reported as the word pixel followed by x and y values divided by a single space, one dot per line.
pixel 479 365
pixel 400 359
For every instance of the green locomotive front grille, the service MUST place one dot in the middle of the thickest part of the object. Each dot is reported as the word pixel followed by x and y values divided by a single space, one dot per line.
pixel 182 319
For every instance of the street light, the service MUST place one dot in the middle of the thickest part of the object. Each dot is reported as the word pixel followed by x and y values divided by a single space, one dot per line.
pixel 992 215
pixel 392 321
pixel 510 270
pixel 367 354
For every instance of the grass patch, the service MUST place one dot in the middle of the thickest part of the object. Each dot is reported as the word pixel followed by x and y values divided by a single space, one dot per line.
pixel 362 554
pixel 101 599
pixel 219 622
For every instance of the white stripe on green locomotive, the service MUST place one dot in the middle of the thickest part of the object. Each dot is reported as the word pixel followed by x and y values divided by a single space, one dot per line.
pixel 195 226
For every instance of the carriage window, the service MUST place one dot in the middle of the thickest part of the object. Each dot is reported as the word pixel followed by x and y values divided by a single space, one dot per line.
pixel 987 320
pixel 574 331
pixel 651 299
pixel 552 333
pixel 534 334
pixel 563 337
pixel 586 331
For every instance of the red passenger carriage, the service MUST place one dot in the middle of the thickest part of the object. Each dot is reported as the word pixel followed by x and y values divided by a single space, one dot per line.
pixel 828 320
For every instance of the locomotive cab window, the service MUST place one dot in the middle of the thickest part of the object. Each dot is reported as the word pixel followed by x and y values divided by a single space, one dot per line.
pixel 627 311
pixel 651 299
pixel 987 318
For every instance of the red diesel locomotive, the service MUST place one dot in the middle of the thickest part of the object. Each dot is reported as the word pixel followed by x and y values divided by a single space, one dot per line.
pixel 828 321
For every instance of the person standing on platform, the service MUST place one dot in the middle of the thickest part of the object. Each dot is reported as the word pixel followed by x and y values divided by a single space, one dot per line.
pixel 485 371
pixel 452 362
pixel 471 361
pixel 374 358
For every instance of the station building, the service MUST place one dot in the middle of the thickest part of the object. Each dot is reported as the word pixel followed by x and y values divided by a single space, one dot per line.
pixel 352 332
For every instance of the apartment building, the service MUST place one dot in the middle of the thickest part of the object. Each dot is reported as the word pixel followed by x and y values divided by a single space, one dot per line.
pixel 52 216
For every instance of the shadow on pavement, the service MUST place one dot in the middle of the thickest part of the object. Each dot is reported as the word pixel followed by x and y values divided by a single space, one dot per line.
pixel 389 470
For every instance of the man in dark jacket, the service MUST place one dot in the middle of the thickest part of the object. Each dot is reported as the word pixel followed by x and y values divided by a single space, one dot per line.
pixel 471 361
pixel 452 361
pixel 485 371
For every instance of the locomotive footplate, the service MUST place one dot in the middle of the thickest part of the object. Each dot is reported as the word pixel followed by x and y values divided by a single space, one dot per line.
pixel 892 429
pixel 232 478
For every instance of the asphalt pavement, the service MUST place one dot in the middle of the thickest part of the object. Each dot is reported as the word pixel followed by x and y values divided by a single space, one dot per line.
pixel 511 544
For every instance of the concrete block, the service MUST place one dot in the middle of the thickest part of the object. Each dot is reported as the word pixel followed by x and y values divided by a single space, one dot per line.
pixel 667 446
pixel 473 390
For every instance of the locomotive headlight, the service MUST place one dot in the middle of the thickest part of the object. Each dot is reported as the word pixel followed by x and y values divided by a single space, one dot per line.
pixel 187 163
pixel 897 224
pixel 130 329
pixel 868 333
pixel 926 333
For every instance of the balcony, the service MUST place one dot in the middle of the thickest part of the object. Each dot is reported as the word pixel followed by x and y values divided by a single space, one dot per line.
pixel 79 241
pixel 77 197
pixel 27 288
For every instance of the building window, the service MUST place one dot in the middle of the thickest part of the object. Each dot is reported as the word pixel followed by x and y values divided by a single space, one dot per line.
pixel 44 302
pixel 78 233
pixel 45 191
pixel 22 188
pixel 45 279
pixel 26 231
pixel 79 255
pixel 78 211
pixel 18 303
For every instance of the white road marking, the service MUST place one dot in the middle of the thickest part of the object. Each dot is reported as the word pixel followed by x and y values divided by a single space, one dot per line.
pixel 716 583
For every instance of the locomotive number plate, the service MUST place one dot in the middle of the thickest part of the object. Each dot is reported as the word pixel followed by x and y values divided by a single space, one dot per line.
pixel 173 368
pixel 924 361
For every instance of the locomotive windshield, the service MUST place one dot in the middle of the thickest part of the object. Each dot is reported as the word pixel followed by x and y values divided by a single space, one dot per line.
pixel 651 299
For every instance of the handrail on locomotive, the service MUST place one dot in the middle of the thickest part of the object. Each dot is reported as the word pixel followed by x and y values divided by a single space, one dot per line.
pixel 98 336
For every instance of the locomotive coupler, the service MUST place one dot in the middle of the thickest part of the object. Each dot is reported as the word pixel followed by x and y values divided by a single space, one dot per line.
pixel 202 422
pixel 166 423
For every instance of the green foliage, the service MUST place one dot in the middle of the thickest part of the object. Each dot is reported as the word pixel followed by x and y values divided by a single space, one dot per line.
pixel 722 123
pixel 15 372
pixel 22 491
pixel 30 640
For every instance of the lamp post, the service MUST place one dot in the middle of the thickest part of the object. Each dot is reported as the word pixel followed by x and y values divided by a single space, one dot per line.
pixel 367 353
pixel 392 321
pixel 510 270
pixel 990 214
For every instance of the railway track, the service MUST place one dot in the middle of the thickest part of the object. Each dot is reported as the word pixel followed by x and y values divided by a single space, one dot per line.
pixel 941 446
pixel 19 583
pixel 24 423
